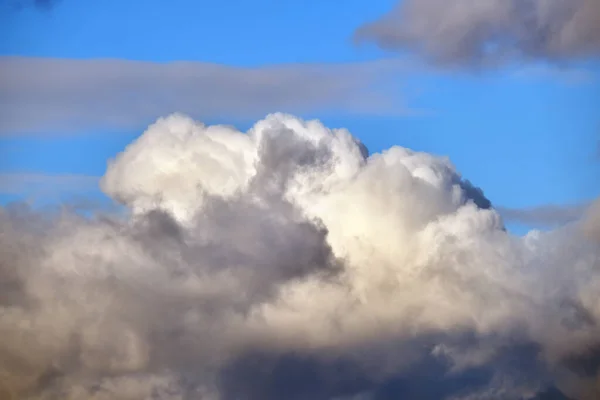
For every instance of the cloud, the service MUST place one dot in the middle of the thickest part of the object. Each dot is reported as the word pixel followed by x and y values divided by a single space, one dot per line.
pixel 550 215
pixel 288 262
pixel 39 4
pixel 484 33
pixel 24 183
pixel 41 94
pixel 592 221
pixel 568 76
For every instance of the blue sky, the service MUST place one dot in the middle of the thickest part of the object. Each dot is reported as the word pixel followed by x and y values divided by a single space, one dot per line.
pixel 526 133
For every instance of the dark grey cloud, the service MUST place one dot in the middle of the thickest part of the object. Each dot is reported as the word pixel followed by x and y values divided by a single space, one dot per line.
pixel 309 376
pixel 484 33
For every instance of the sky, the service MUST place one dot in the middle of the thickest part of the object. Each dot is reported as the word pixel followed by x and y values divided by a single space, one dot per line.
pixel 309 200
pixel 525 132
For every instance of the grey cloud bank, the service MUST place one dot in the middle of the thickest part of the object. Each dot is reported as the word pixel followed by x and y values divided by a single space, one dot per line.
pixel 487 33
pixel 42 94
pixel 288 263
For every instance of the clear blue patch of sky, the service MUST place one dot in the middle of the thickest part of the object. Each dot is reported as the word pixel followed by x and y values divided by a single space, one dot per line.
pixel 236 32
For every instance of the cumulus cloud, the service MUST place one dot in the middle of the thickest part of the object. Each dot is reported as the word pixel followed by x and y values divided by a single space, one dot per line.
pixel 46 94
pixel 484 33
pixel 288 262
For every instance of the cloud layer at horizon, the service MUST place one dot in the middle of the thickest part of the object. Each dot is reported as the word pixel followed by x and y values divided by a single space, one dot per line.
pixel 489 33
pixel 289 263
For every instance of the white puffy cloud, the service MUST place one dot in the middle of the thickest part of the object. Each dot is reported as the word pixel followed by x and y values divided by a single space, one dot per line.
pixel 489 32
pixel 287 262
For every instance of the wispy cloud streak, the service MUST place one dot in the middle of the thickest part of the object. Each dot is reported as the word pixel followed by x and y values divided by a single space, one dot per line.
pixel 548 215
pixel 41 94
pixel 24 183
